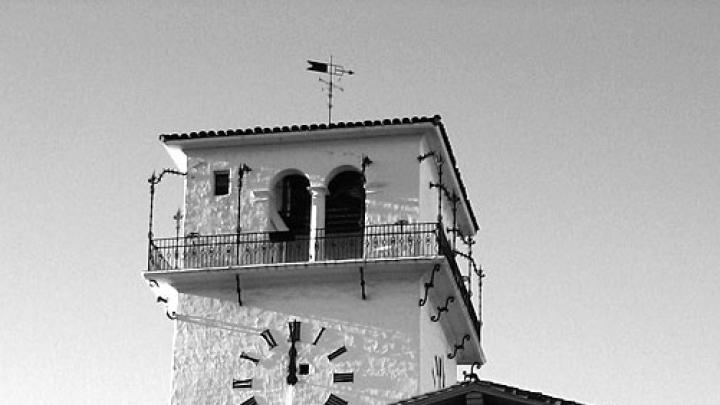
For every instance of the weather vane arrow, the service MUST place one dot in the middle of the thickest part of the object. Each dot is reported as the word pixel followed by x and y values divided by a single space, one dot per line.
pixel 333 71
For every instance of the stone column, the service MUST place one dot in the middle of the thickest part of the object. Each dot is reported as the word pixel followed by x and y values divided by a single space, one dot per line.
pixel 317 219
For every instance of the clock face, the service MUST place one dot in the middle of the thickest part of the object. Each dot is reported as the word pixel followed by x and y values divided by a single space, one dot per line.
pixel 303 364
pixel 241 355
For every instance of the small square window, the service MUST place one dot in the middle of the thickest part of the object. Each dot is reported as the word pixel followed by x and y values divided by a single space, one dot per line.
pixel 222 182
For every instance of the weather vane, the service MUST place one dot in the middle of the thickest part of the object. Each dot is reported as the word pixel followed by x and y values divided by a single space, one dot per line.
pixel 335 73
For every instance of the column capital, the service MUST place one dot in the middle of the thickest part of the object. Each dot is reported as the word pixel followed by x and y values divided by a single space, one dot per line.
pixel 318 190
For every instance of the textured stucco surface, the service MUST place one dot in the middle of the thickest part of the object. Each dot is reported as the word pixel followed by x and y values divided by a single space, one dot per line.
pixel 388 339
pixel 392 191
pixel 434 349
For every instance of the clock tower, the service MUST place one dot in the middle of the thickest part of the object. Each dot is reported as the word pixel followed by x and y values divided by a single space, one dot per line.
pixel 318 264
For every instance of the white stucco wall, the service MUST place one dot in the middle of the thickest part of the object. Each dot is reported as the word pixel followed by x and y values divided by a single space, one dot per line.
pixel 392 188
pixel 382 335
pixel 436 370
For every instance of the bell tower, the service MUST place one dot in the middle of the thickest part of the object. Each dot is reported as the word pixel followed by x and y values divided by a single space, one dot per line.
pixel 321 264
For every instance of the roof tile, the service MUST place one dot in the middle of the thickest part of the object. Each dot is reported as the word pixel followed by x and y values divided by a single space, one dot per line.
pixel 486 387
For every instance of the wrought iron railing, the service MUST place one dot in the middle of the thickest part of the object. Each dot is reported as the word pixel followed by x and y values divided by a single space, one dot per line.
pixel 447 250
pixel 373 242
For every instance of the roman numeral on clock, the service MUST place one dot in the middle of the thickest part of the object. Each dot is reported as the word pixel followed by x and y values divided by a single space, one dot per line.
pixel 250 401
pixel 242 383
pixel 336 353
pixel 268 338
pixel 318 336
pixel 246 356
pixel 294 327
pixel 335 400
pixel 343 377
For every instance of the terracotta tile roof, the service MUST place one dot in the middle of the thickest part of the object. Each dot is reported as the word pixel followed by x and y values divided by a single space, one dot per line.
pixel 502 394
pixel 298 128
pixel 435 120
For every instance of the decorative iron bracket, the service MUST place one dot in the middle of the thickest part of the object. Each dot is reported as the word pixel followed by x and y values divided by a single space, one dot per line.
pixel 237 288
pixel 461 346
pixel 468 241
pixel 364 163
pixel 153 181
pixel 362 282
pixel 162 300
pixel 476 269
pixel 439 168
pixel 436 317
pixel 429 285
pixel 448 194
pixel 420 158
pixel 471 376
pixel 241 174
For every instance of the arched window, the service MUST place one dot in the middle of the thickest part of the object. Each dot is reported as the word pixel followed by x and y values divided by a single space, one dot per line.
pixel 293 203
pixel 345 215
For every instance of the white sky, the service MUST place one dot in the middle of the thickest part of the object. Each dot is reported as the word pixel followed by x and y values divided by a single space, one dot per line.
pixel 587 134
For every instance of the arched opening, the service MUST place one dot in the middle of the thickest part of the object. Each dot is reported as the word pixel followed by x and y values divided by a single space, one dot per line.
pixel 293 202
pixel 345 216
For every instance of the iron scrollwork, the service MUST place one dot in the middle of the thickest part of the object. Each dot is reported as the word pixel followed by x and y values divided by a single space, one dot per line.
pixel 362 282
pixel 471 376
pixel 461 346
pixel 429 285
pixel 436 317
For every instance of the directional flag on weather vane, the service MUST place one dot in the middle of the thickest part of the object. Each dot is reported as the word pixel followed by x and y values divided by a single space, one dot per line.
pixel 332 71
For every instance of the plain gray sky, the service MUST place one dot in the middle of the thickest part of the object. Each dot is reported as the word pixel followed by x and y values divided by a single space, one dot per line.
pixel 587 134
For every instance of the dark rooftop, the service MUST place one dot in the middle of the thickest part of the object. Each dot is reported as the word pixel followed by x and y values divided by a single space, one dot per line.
pixel 492 393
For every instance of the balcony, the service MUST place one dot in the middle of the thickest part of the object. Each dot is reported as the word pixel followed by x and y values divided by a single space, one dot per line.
pixel 264 248
pixel 258 248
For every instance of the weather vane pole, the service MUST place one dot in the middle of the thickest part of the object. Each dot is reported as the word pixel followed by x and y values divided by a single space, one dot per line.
pixel 333 71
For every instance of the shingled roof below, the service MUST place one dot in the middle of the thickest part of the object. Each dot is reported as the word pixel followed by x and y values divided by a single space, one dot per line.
pixel 500 393
pixel 435 120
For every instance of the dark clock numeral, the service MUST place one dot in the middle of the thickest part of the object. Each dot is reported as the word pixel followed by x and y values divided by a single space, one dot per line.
pixel 268 338
pixel 242 383
pixel 335 400
pixel 336 353
pixel 250 401
pixel 322 330
pixel 303 369
pixel 343 377
pixel 294 327
pixel 246 356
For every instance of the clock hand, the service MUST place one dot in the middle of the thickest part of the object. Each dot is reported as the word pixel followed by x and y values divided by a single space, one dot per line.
pixel 292 365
